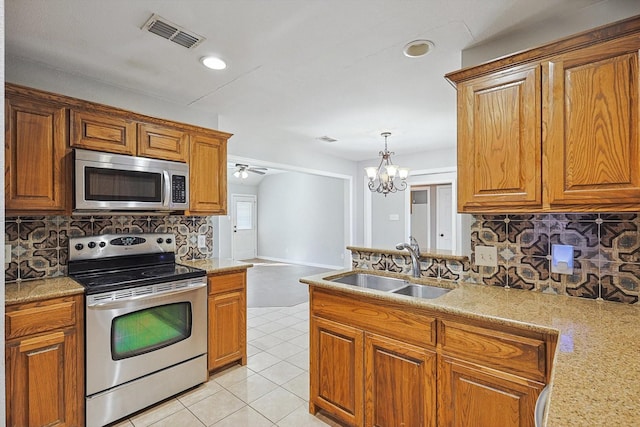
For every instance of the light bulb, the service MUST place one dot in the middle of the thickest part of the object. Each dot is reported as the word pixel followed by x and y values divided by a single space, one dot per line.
pixel 371 172
pixel 245 174
pixel 236 174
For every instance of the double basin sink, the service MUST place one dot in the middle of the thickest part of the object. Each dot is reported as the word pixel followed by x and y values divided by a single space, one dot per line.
pixel 390 284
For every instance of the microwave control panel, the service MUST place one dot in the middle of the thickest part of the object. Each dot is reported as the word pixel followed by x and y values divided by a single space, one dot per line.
pixel 179 189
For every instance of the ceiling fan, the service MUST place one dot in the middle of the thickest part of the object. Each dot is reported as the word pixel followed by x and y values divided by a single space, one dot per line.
pixel 242 171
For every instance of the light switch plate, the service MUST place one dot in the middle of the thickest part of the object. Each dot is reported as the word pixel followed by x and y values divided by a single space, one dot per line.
pixel 202 241
pixel 487 256
pixel 394 217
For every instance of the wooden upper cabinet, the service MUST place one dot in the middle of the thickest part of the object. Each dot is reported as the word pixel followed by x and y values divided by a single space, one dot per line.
pixel 163 142
pixel 593 142
pixel 36 170
pixel 208 175
pixel 102 132
pixel 499 144
pixel 554 128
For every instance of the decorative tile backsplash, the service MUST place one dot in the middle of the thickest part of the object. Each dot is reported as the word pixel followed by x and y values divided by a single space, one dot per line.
pixel 606 255
pixel 40 245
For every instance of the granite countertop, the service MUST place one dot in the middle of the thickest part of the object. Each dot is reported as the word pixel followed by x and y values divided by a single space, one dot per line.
pixel 595 378
pixel 37 290
pixel 217 265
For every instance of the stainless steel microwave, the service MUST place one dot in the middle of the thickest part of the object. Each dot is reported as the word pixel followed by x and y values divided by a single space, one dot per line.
pixel 115 182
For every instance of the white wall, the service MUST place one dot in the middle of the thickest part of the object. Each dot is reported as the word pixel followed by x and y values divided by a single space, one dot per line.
pixel 387 220
pixel 553 28
pixel 38 76
pixel 301 219
pixel 428 160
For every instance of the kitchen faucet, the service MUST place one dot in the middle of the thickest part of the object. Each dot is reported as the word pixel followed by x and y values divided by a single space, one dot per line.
pixel 415 257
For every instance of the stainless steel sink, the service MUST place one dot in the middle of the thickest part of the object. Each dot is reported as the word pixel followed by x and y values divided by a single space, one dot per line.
pixel 372 281
pixel 391 284
pixel 422 291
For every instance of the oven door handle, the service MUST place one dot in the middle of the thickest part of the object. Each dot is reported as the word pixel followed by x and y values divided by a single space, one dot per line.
pixel 121 302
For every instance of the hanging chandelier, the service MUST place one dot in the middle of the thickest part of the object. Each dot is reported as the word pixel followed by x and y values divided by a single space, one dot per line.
pixel 387 177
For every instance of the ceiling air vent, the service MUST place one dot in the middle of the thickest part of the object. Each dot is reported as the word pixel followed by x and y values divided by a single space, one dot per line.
pixel 170 31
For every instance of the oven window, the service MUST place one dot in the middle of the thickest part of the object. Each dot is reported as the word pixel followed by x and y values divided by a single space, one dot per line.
pixel 122 185
pixel 150 329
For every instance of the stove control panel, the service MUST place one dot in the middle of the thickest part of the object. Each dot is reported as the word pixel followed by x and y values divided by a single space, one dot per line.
pixel 110 245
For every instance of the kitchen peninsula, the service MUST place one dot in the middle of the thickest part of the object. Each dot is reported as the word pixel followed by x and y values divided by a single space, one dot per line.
pixel 590 349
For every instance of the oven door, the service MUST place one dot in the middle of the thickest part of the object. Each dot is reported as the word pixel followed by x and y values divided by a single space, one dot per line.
pixel 135 332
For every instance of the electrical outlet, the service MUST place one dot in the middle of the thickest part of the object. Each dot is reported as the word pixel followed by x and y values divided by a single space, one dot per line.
pixel 487 256
pixel 202 241
pixel 7 254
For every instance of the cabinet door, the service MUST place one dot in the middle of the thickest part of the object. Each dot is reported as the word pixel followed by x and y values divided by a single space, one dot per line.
pixel 336 370
pixel 36 170
pixel 499 142
pixel 208 175
pixel 161 142
pixel 400 384
pixel 593 142
pixel 101 132
pixel 480 397
pixel 42 384
pixel 227 329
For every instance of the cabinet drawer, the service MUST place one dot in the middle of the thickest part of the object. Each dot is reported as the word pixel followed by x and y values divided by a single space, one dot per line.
pixel 33 319
pixel 507 352
pixel 226 282
pixel 397 321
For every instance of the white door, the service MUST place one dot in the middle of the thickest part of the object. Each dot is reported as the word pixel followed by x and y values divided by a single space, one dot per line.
pixel 444 217
pixel 244 237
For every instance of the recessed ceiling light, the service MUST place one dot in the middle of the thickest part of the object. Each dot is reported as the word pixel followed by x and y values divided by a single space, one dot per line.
pixel 213 62
pixel 418 48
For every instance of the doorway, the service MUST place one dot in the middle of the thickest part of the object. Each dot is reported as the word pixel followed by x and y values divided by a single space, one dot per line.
pixel 244 240
pixel 431 216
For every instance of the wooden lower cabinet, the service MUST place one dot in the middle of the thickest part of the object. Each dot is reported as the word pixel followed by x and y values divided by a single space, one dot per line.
pixel 481 397
pixel 336 375
pixel 379 363
pixel 44 364
pixel 400 383
pixel 227 314
pixel 363 378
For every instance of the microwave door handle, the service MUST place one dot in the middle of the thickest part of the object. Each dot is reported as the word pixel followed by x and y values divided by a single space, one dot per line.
pixel 166 199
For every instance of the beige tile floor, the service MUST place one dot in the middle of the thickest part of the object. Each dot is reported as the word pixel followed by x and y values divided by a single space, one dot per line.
pixel 271 390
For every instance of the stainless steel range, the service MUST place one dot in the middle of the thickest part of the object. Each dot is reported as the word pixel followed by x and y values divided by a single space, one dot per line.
pixel 146 322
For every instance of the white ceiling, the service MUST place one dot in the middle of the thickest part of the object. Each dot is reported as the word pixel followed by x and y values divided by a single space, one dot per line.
pixel 297 70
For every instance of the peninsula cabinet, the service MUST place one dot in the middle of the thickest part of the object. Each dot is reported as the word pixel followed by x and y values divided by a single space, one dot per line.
pixel 36 168
pixel 554 128
pixel 386 363
pixel 227 319
pixel 44 363
pixel 364 373
pixel 489 377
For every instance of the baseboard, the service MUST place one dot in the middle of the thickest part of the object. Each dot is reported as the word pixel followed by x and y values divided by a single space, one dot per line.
pixel 310 264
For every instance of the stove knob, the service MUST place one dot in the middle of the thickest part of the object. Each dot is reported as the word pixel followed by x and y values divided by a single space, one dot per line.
pixel 102 244
pixel 169 241
pixel 159 240
pixel 79 246
pixel 91 245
